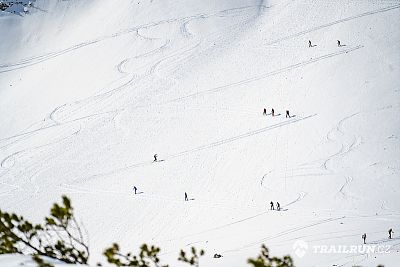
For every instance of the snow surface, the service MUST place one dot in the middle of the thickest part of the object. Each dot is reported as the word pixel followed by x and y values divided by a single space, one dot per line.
pixel 91 90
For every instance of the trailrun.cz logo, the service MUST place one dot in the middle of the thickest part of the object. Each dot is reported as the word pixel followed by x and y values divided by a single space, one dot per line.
pixel 301 248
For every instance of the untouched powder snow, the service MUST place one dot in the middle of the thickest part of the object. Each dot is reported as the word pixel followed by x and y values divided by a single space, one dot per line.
pixel 91 90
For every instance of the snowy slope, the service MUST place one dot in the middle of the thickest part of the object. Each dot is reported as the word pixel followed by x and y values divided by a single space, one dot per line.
pixel 90 90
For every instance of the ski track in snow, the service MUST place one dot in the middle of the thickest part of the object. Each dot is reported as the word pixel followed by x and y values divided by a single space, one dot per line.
pixel 345 148
pixel 200 148
pixel 187 20
pixel 221 226
pixel 373 12
pixel 6 67
pixel 285 233
pixel 321 169
pixel 56 121
pixel 105 97
pixel 30 61
pixel 69 119
pixel 349 179
pixel 5 162
pixel 266 75
pixel 207 91
pixel 337 134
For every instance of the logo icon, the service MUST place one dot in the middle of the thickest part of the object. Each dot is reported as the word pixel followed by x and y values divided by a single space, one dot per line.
pixel 300 248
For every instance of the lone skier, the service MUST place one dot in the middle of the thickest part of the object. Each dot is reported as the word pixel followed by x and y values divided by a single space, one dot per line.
pixel 338 43
pixel 155 158
pixel 265 112
pixel 364 237
pixel 135 189
pixel 186 197
pixel 272 205
pixel 287 114
pixel 278 206
pixel 217 256
pixel 390 233
pixel 272 112
pixel 309 43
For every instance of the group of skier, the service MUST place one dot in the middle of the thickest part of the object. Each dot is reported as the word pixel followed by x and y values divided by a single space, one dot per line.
pixel 364 236
pixel 311 45
pixel 287 111
pixel 273 113
pixel 278 206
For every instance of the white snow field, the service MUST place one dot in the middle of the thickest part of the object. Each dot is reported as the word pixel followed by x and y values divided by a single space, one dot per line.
pixel 91 90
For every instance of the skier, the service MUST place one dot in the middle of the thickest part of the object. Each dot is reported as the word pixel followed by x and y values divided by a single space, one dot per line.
pixel 390 233
pixel 186 197
pixel 155 157
pixel 287 114
pixel 135 189
pixel 278 206
pixel 217 256
pixel 364 237
pixel 338 43
pixel 272 205
pixel 309 43
pixel 272 112
pixel 265 112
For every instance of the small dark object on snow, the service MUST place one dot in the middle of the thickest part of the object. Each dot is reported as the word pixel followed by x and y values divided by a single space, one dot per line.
pixel 265 112
pixel 272 205
pixel 272 112
pixel 278 206
pixel 155 157
pixel 364 237
pixel 135 189
pixel 287 114
pixel 217 256
pixel 186 197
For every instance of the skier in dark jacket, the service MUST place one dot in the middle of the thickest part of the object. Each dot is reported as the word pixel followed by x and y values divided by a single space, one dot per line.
pixel 364 237
pixel 309 43
pixel 186 197
pixel 278 206
pixel 338 43
pixel 265 112
pixel 135 189
pixel 287 114
pixel 155 157
pixel 390 233
pixel 272 205
pixel 272 112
